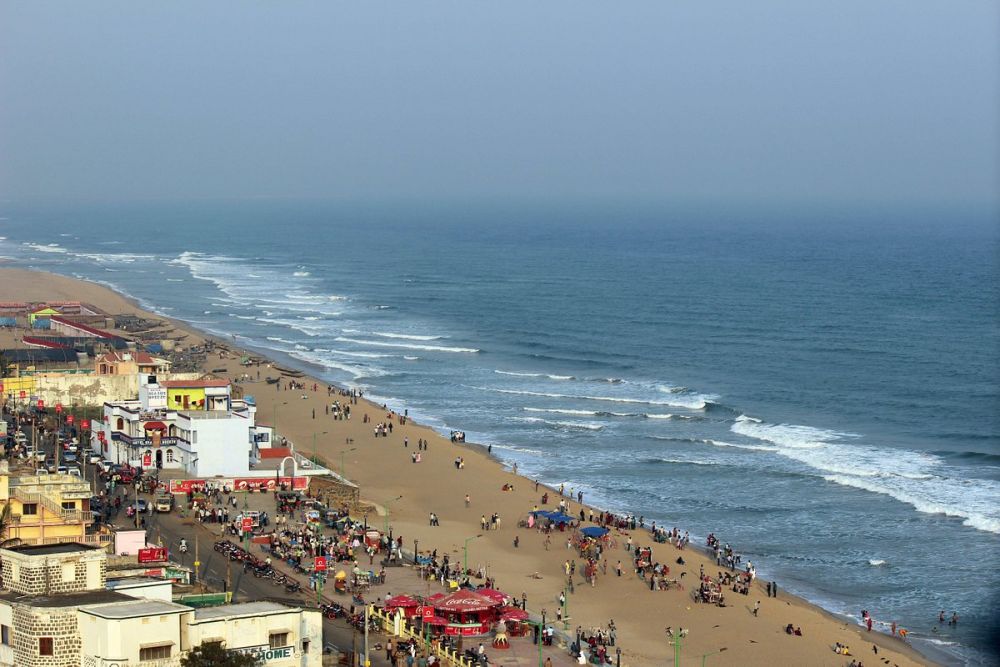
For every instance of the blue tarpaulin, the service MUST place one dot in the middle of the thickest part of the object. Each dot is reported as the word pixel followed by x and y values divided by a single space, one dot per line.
pixel 594 531
pixel 7 321
pixel 559 517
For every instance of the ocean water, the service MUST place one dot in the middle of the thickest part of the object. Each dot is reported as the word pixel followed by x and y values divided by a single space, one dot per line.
pixel 818 388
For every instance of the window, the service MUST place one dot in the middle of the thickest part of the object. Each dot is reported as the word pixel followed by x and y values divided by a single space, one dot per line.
pixel 29 508
pixel 277 640
pixel 5 635
pixel 69 505
pixel 177 400
pixel 170 456
pixel 155 652
pixel 121 424
pixel 45 646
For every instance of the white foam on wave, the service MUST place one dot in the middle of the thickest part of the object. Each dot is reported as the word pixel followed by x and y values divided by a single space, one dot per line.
pixel 561 411
pixel 535 375
pixel 407 346
pixel 587 426
pixel 918 479
pixel 50 248
pixel 688 462
pixel 733 445
pixel 514 448
pixel 356 371
pixel 876 562
pixel 389 334
pixel 301 274
pixel 694 403
pixel 410 358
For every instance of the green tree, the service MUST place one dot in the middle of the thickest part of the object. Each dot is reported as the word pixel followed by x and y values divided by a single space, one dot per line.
pixel 212 654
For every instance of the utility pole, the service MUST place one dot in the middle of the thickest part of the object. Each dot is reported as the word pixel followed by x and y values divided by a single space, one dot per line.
pixel 197 563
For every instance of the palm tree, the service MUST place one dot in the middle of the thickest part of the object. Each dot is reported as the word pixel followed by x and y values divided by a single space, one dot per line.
pixel 5 523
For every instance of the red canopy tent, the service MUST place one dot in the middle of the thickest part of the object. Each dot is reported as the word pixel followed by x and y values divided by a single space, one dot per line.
pixel 469 614
pixel 513 614
pixel 404 602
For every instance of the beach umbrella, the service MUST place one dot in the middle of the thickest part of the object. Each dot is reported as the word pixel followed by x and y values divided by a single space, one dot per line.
pixel 594 531
pixel 463 601
pixel 559 517
pixel 434 598
pixel 401 601
pixel 435 620
pixel 493 594
pixel 513 614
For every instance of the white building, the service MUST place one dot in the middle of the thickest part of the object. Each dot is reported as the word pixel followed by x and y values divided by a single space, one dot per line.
pixel 194 426
pixel 55 611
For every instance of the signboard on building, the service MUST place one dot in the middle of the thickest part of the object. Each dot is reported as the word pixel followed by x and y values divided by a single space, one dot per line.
pixel 246 524
pixel 152 555
pixel 84 423
pixel 319 564
pixel 147 460
pixel 41 404
pixel 266 654
pixel 70 419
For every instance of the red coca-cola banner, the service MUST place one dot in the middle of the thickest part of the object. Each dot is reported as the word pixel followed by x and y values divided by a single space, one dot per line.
pixel 239 483
pixel 152 555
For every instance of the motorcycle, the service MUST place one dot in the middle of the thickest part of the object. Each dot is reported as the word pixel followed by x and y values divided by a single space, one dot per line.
pixel 183 548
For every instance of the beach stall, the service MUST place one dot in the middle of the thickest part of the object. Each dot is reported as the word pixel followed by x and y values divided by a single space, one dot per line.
pixel 594 532
pixel 469 614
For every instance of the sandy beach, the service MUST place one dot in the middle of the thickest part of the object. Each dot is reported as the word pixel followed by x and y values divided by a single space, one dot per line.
pixel 384 469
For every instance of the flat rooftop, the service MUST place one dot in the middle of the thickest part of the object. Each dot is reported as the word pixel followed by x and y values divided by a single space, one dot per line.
pixel 52 549
pixel 204 414
pixel 135 609
pixel 68 599
pixel 259 608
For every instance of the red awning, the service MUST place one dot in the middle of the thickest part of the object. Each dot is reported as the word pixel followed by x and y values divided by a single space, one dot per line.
pixel 434 598
pixel 401 601
pixel 155 426
pixel 464 601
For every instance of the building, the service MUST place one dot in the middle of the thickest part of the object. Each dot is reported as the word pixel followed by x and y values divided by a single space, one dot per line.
pixel 130 363
pixel 47 509
pixel 55 611
pixel 194 426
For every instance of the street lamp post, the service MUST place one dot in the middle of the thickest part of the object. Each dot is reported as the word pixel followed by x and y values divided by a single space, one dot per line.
pixel 565 609
pixel 466 549
pixel 343 474
pixel 387 503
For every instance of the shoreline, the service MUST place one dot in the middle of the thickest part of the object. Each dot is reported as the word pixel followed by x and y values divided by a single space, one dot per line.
pixel 494 469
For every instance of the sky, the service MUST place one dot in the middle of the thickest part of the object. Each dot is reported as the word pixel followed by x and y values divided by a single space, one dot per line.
pixel 798 100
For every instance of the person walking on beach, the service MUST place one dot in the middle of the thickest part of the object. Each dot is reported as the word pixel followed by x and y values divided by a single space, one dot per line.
pixel 468 500
pixel 769 589
pixel 756 608
pixel 774 588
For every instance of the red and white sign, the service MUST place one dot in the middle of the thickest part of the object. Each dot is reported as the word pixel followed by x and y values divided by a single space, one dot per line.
pixel 24 394
pixel 70 419
pixel 41 404
pixel 58 407
pixel 246 524
pixel 84 423
pixel 147 460
pixel 319 563
pixel 239 484
pixel 152 555
pixel 426 611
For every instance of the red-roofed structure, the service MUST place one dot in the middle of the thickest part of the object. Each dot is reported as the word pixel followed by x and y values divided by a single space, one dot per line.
pixel 72 328
pixel 35 341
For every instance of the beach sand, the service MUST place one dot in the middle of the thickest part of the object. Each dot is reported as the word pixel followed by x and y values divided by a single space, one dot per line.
pixel 384 470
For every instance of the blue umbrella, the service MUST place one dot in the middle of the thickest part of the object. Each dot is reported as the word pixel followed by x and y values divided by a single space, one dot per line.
pixel 594 531
pixel 559 517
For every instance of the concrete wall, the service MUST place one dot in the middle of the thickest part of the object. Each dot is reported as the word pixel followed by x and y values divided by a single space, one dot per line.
pixel 120 639
pixel 84 389
pixel 247 633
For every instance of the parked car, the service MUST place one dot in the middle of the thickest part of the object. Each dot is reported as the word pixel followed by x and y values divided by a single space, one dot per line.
pixel 41 471
pixel 107 465
pixel 70 458
pixel 50 465
pixel 70 446
pixel 75 472
pixel 62 470
pixel 93 457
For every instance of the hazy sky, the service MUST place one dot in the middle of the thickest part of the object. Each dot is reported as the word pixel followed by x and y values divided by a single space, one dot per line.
pixel 884 100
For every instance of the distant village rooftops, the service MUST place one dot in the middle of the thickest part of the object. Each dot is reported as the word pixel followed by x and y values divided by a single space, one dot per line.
pixel 52 549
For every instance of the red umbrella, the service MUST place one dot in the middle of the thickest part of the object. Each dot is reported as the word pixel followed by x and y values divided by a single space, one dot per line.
pixel 513 614
pixel 492 594
pixel 435 597
pixel 436 620
pixel 465 602
pixel 401 601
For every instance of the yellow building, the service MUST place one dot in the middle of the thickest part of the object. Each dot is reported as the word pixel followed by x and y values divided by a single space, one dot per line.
pixel 197 394
pixel 45 509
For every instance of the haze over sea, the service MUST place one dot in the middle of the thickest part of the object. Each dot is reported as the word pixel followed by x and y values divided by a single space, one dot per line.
pixel 823 396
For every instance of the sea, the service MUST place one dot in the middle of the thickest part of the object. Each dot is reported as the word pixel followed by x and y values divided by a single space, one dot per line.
pixel 816 385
